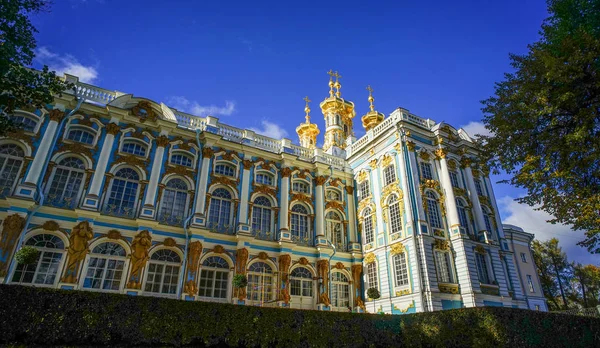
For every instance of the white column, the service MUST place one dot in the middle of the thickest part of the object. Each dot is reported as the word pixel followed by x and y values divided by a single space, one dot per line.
pixel 161 143
pixel 413 166
pixel 111 130
pixel 285 199
pixel 207 154
pixel 43 151
pixel 451 211
pixel 488 184
pixel 351 214
pixel 405 190
pixel 376 187
pixel 474 199
pixel 320 206
pixel 244 194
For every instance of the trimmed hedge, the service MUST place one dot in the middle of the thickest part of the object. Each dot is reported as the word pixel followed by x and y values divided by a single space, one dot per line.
pixel 31 315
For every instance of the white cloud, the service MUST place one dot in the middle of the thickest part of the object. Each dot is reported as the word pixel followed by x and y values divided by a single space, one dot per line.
pixel 193 107
pixel 534 221
pixel 271 129
pixel 66 64
pixel 474 128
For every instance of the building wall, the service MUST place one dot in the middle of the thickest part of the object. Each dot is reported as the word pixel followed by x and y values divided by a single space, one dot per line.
pixel 297 218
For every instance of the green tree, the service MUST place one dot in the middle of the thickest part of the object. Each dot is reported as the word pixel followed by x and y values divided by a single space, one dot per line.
pixel 374 294
pixel 545 119
pixel 588 281
pixel 20 86
pixel 554 271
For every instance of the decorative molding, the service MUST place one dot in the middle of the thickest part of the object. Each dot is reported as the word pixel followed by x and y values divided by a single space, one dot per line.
pixel 448 288
pixel 411 145
pixel 386 161
pixel 131 160
pixel 113 128
pixel 162 141
pixel 207 152
pixel 397 248
pixel 179 170
pixel 264 189
pixel 320 180
pixel 247 164
pixel 441 245
pixel 139 257
pixel 424 155
pixel 373 164
pixel 349 189
pixel 369 258
pixel 218 249
pixel 362 176
pixel 217 179
pixel 334 205
pixel 144 111
pixel 480 249
pixel 51 225
pixel 56 115
pixel 303 261
pixel 78 248
pixel 403 292
pixel 263 255
pixel 440 153
pixel 169 242
pixel 301 197
pixel 286 172
pixel 466 162
pixel 114 234
pixel 339 265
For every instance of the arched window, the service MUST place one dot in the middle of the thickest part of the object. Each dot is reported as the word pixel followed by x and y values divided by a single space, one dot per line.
pixel 368 226
pixel 333 195
pixel 66 182
pixel 260 282
pixel 301 284
pixel 340 291
pixel 163 272
pixel 225 169
pixel 394 211
pixel 174 202
pixel 433 210
pixel 181 159
pixel 81 135
pixel 134 147
pixel 105 269
pixel 219 215
pixel 123 193
pixel 264 178
pixel 400 270
pixel 372 276
pixel 214 278
pixel 462 215
pixel 299 225
pixel 482 268
pixel 46 267
pixel 478 187
pixel 262 218
pixel 11 159
pixel 25 122
pixel 300 186
pixel 389 175
pixel 335 231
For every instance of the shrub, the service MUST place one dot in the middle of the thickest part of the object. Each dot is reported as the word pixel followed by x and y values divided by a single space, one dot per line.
pixel 40 316
pixel 239 281
pixel 27 255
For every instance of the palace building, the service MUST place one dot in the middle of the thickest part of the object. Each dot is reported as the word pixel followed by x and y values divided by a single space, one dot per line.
pixel 121 194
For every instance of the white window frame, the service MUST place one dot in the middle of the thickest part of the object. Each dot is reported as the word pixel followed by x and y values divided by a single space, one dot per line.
pixel 397 272
pixel 372 277
pixel 183 153
pixel 162 273
pixel 71 170
pixel 530 283
pixel 127 140
pixel 487 267
pixel 269 295
pixel 389 174
pixel 523 258
pixel 42 250
pixel 265 173
pixel 77 126
pixel 338 288
pixel 304 182
pixel 368 217
pixel 25 114
pixel 394 221
pixel 214 271
pixel 443 262
pixel 90 255
pixel 162 199
pixel 422 166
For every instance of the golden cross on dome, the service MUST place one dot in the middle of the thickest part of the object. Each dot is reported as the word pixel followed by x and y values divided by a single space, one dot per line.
pixel 307 109
pixel 331 74
pixel 371 99
pixel 370 89
pixel 307 100
pixel 337 76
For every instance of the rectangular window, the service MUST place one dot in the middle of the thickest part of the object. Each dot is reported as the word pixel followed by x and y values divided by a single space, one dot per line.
pixel 363 190
pixel 389 175
pixel 454 179
pixel 400 270
pixel 443 266
pixel 372 276
pixel 530 283
pixel 426 171
pixel 482 268
pixel 478 187
pixel 523 258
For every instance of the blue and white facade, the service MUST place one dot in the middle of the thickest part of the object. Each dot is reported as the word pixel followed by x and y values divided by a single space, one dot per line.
pixel 121 194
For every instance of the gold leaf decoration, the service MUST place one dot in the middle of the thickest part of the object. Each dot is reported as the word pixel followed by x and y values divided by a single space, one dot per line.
pixel 397 248
pixel 369 258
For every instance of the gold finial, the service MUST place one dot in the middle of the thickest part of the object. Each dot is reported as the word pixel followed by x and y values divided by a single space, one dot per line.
pixel 331 84
pixel 371 99
pixel 307 109
pixel 337 85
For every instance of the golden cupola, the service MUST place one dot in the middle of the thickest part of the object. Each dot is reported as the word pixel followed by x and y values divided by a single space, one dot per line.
pixel 338 114
pixel 371 118
pixel 307 132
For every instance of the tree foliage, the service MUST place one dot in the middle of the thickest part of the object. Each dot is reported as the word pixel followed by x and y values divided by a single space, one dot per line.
pixel 20 86
pixel 545 119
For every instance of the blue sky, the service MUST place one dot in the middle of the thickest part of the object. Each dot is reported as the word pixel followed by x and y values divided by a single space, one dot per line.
pixel 251 63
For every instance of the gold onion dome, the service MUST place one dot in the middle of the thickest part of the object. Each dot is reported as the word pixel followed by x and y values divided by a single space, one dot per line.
pixel 371 118
pixel 335 103
pixel 307 132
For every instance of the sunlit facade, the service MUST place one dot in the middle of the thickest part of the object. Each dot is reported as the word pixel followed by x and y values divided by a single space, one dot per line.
pixel 122 194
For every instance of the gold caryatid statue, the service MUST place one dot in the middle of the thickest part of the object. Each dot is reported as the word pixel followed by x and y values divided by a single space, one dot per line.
pixel 307 132
pixel 338 114
pixel 371 118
